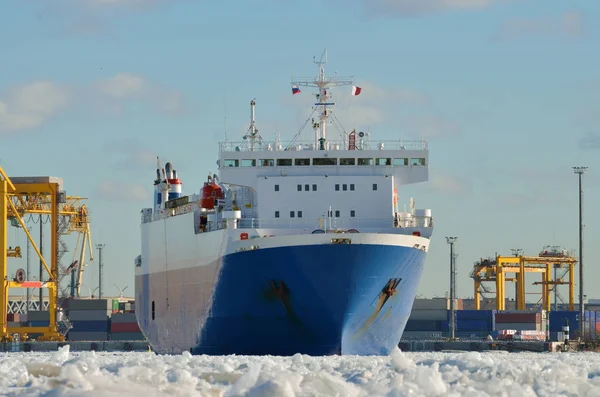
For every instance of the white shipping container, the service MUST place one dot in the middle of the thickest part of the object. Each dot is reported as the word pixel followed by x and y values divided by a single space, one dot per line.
pixel 520 326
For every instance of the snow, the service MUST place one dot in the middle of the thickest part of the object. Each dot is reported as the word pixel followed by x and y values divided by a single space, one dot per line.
pixel 469 374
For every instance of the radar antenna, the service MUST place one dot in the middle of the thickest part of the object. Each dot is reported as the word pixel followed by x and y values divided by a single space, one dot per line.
pixel 324 84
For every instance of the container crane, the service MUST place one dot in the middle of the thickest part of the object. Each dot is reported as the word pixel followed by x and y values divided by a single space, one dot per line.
pixel 35 195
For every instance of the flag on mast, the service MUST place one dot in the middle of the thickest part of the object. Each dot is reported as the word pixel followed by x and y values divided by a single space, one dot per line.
pixel 356 90
pixel 295 89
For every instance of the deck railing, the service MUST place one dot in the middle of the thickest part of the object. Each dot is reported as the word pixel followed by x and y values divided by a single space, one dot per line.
pixel 247 146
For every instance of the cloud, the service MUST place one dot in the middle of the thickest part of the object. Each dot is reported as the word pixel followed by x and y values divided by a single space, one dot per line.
pixel 133 154
pixel 411 8
pixel 116 92
pixel 30 105
pixel 118 191
pixel 569 24
pixel 450 185
pixel 432 126
pixel 590 141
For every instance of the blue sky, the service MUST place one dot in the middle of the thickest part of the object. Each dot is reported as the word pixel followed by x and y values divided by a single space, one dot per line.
pixel 507 93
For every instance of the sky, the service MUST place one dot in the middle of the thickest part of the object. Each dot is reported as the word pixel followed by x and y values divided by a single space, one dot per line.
pixel 507 93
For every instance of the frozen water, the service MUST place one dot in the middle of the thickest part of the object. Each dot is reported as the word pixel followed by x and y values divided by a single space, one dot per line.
pixel 66 373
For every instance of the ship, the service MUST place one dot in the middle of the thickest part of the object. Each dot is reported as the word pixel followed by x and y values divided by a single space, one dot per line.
pixel 296 246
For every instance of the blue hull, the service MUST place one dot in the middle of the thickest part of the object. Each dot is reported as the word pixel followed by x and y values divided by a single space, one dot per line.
pixel 316 300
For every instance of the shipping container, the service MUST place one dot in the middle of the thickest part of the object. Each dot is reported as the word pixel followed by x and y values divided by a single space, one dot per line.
pixel 127 336
pixel 90 326
pixel 38 315
pixel 123 318
pixel 519 326
pixel 431 304
pixel 473 325
pixel 124 327
pixel 87 336
pixel 428 315
pixel 558 318
pixel 474 314
pixel 89 304
pixel 518 317
pixel 38 323
pixel 423 325
pixel 89 315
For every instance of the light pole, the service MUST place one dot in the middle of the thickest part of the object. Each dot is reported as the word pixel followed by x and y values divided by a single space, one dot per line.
pixel 100 265
pixel 580 171
pixel 451 241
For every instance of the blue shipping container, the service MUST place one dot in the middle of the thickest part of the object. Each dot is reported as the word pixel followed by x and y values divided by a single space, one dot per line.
pixel 39 323
pixel 90 326
pixel 423 325
pixel 475 314
pixel 474 325
pixel 557 320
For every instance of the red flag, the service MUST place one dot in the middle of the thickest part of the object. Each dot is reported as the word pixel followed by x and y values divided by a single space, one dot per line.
pixel 356 90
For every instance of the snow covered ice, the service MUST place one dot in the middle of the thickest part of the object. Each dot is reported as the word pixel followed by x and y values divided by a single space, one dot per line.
pixel 66 373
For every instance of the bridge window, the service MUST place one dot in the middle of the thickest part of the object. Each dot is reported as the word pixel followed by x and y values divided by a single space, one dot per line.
pixel 351 161
pixel 324 161
pixel 306 188
pixel 365 161
pixel 314 188
pixel 266 162
pixel 352 213
pixel 352 186
pixel 276 214
pixel 337 213
pixel 337 186
pixel 299 188
pixel 417 161
pixel 301 161
pixel 249 163
pixel 276 187
pixel 292 214
pixel 374 186
pixel 284 162
pixel 232 163
pixel 384 161
pixel 344 187
pixel 299 214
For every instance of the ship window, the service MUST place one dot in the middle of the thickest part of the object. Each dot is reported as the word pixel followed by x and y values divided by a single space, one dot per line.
pixel 266 162
pixel 374 186
pixel 153 307
pixel 276 214
pixel 352 186
pixel 400 162
pixel 324 161
pixel 301 161
pixel 306 187
pixel 344 187
pixel 337 186
pixel 384 161
pixel 337 213
pixel 276 187
pixel 291 214
pixel 365 161
pixel 314 188
pixel 352 213
pixel 299 214
pixel 284 162
pixel 417 161
pixel 249 163
pixel 350 161
pixel 299 188
pixel 232 163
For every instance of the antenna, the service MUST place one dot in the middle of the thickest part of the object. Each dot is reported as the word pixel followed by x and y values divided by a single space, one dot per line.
pixel 225 112
pixel 323 84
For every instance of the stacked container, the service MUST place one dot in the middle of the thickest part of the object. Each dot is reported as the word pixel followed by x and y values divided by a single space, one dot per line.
pixel 90 319
pixel 124 326
pixel 520 320
pixel 474 323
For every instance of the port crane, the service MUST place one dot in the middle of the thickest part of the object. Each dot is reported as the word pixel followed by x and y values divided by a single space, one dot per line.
pixel 42 195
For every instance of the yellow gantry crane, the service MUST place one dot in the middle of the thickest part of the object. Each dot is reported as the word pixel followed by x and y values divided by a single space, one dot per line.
pixel 495 269
pixel 36 195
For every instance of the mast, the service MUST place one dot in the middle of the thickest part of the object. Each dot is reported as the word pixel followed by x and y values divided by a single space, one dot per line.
pixel 252 133
pixel 324 84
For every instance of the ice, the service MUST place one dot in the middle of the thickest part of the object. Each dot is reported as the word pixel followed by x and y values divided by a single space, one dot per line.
pixel 470 374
